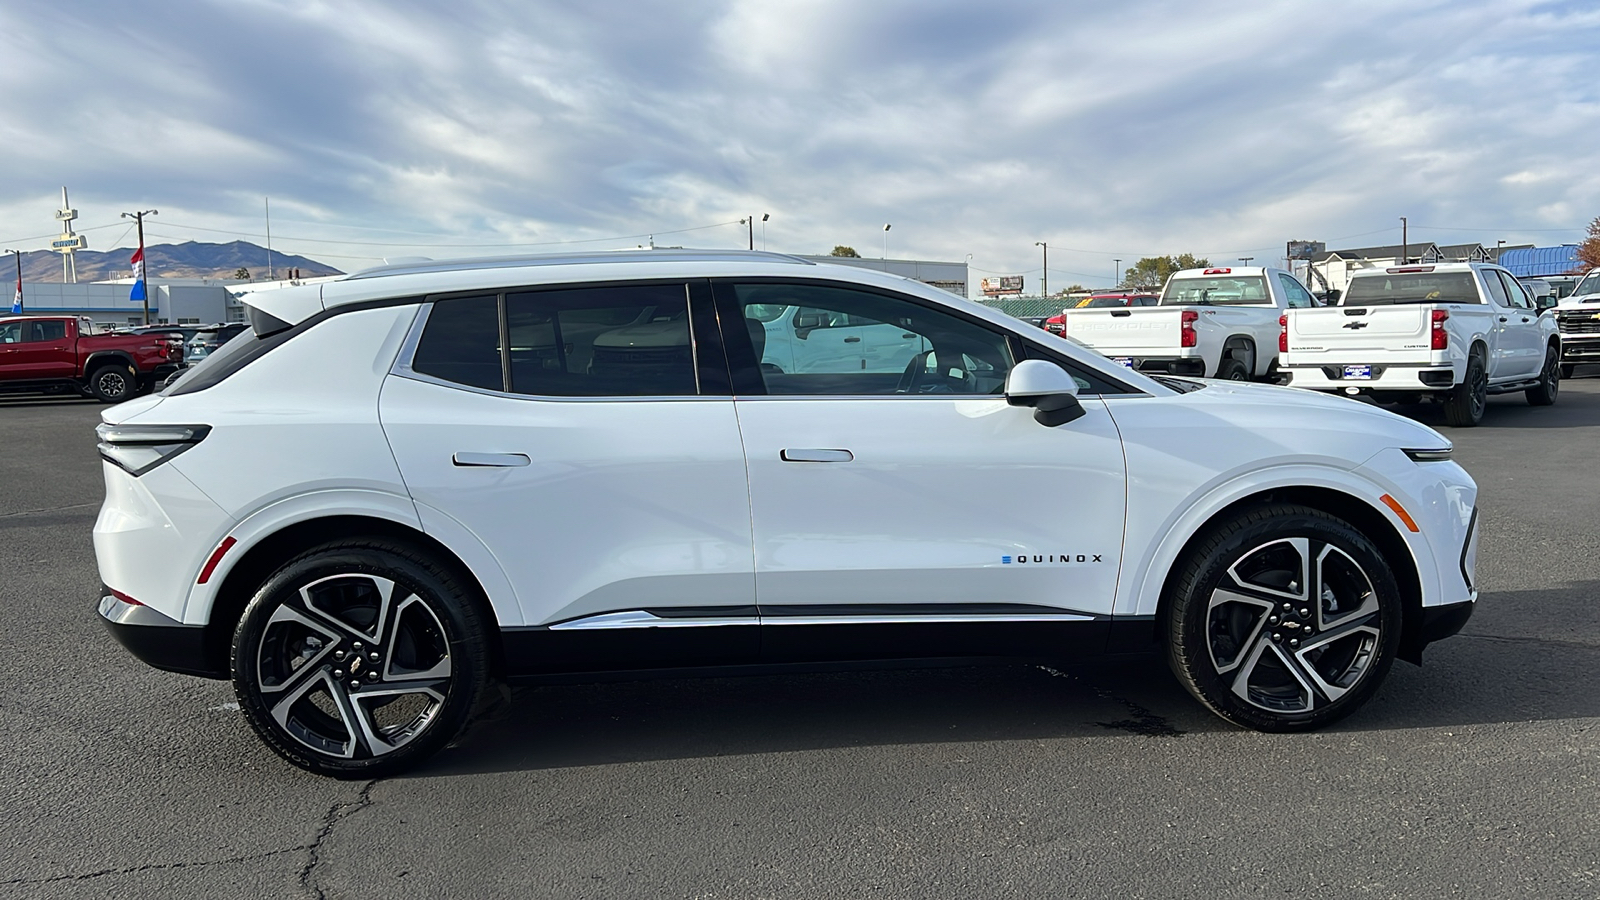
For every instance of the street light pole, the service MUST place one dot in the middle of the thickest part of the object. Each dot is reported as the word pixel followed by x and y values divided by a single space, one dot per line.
pixel 1246 259
pixel 1116 272
pixel 764 218
pixel 17 304
pixel 1044 273
pixel 1405 243
pixel 144 267
pixel 750 222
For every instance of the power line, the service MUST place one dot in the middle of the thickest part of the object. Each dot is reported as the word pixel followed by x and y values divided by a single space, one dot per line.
pixel 459 246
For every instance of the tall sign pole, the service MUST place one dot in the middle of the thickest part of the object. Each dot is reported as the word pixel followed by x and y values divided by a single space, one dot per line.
pixel 17 304
pixel 1044 273
pixel 69 242
pixel 144 270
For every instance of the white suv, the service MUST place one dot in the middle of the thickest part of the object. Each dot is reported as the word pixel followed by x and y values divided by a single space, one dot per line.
pixel 404 484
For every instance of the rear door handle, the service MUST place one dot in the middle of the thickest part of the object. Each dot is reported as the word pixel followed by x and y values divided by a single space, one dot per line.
pixel 816 455
pixel 852 340
pixel 467 459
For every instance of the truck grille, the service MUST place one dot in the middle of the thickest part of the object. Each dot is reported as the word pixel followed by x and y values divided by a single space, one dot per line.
pixel 1579 322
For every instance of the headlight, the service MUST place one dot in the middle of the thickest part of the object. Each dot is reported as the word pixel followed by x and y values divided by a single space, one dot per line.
pixel 136 449
pixel 1433 455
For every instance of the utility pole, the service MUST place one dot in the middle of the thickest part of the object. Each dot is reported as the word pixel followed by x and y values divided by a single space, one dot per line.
pixel 144 270
pixel 1405 243
pixel 17 306
pixel 1044 273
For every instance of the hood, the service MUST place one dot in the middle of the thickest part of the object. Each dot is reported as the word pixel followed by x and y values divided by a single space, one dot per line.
pixel 1336 418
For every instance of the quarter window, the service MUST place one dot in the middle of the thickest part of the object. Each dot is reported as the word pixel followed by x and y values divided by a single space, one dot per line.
pixel 840 341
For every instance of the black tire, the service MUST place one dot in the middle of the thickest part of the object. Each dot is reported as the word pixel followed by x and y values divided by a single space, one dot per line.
pixel 323 622
pixel 1251 642
pixel 1230 369
pixel 1544 393
pixel 1465 404
pixel 113 383
pixel 1567 369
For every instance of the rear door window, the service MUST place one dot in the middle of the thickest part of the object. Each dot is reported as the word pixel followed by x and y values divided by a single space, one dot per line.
pixel 617 341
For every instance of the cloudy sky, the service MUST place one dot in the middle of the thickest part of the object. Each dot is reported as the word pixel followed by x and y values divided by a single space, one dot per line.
pixel 383 128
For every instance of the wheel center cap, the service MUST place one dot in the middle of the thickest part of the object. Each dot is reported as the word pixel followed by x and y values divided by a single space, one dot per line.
pixel 355 665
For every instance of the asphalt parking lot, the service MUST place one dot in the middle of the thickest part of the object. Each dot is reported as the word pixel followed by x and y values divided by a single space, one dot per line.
pixel 1477 775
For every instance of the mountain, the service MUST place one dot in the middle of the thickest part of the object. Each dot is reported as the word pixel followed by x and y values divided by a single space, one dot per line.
pixel 190 259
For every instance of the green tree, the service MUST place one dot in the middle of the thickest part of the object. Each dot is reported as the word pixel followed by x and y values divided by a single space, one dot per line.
pixel 242 275
pixel 842 250
pixel 1152 271
pixel 1589 250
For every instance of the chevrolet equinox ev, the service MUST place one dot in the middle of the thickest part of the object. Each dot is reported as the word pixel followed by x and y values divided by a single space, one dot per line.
pixel 397 488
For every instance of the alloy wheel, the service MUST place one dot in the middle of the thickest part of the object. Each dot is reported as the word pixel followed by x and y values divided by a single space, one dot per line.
pixel 1295 624
pixel 354 666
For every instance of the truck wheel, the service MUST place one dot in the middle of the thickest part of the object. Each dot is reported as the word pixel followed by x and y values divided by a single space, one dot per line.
pixel 1231 369
pixel 1283 618
pixel 112 383
pixel 1464 406
pixel 1544 393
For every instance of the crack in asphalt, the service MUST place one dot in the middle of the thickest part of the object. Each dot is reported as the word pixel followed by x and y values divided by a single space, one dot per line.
pixel 1574 645
pixel 337 813
pixel 1143 721
pixel 85 876
pixel 42 509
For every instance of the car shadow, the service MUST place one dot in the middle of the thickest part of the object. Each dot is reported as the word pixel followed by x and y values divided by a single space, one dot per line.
pixel 24 400
pixel 1502 669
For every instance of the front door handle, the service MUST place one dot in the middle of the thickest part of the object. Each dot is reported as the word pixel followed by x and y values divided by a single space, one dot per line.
pixel 467 459
pixel 852 340
pixel 816 455
pixel 1502 318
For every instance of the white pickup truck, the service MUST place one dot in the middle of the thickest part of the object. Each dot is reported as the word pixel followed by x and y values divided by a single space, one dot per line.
pixel 1219 322
pixel 1579 319
pixel 1450 332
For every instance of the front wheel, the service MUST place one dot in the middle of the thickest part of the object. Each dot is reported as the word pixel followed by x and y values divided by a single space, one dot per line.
pixel 1544 393
pixel 1284 618
pixel 359 659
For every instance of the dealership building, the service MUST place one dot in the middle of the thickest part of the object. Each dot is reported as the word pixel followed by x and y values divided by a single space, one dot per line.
pixel 178 301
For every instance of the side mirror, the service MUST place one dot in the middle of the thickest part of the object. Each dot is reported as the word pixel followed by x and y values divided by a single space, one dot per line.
pixel 1544 303
pixel 1048 388
pixel 805 323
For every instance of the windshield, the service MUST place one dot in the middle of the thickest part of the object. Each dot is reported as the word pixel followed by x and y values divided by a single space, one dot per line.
pixel 1589 285
pixel 1412 287
pixel 1218 290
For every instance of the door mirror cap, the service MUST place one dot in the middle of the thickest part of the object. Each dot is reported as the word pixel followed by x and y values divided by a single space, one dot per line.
pixel 1048 388
pixel 1037 378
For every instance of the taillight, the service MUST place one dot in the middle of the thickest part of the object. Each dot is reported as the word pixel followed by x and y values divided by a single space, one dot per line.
pixel 1283 333
pixel 137 449
pixel 1188 337
pixel 1441 338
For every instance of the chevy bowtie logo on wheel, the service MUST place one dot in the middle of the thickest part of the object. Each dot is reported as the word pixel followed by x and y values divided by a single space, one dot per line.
pixel 1057 558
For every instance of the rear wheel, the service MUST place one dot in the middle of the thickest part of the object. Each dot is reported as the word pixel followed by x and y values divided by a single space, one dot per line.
pixel 1544 393
pixel 1231 369
pixel 359 659
pixel 1466 402
pixel 113 383
pixel 1283 619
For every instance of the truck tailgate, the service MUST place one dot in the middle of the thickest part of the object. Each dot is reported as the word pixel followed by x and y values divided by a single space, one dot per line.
pixel 1393 333
pixel 1135 331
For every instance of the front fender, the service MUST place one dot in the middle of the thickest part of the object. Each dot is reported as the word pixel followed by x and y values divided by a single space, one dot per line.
pixel 1139 594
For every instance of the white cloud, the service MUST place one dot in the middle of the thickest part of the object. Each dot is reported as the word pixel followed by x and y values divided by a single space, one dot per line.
pixel 1109 130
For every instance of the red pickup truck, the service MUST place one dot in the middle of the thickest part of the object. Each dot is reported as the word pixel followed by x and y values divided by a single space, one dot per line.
pixel 58 354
